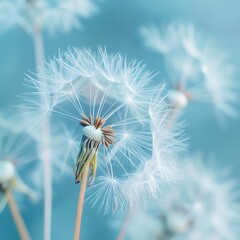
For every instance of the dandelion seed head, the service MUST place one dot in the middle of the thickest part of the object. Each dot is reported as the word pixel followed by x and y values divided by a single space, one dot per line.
pixel 47 14
pixel 197 66
pixel 14 156
pixel 207 199
pixel 193 210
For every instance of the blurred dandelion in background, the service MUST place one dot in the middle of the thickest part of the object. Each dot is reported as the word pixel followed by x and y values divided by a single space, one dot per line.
pixel 204 205
pixel 206 201
pixel 34 16
pixel 50 15
pixel 197 69
pixel 14 157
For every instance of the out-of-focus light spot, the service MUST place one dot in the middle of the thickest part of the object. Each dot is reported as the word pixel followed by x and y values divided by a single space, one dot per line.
pixel 205 69
pixel 125 135
pixel 197 205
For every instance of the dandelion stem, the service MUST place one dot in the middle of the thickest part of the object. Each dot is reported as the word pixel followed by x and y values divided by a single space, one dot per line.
pixel 80 202
pixel 22 229
pixel 45 154
pixel 38 45
pixel 123 229
pixel 47 198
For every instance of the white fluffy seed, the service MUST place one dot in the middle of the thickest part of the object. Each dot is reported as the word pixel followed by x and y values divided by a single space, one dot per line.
pixel 7 171
pixel 92 133
pixel 177 222
pixel 178 99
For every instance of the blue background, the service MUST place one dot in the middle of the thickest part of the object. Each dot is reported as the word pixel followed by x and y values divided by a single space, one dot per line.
pixel 116 27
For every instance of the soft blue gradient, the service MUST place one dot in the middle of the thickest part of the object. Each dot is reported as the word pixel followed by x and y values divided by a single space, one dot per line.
pixel 116 27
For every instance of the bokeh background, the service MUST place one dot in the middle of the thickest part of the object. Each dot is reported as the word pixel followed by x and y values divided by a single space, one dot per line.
pixel 116 26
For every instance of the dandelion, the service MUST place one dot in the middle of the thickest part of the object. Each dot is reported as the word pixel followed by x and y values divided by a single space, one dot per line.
pixel 12 158
pixel 206 200
pixel 110 96
pixel 197 69
pixel 50 15
pixel 204 205
pixel 36 15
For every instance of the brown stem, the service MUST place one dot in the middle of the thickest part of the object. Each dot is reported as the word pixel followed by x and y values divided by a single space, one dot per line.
pixel 80 202
pixel 123 229
pixel 22 229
